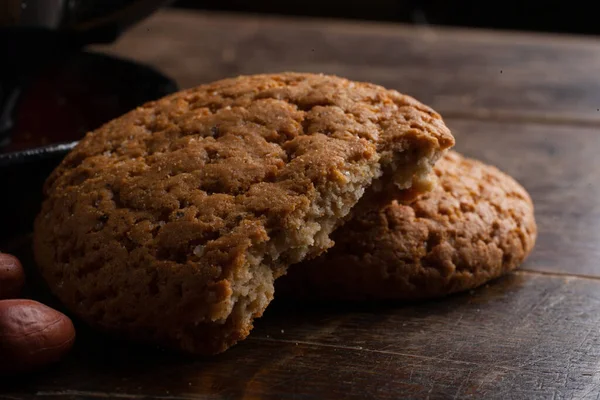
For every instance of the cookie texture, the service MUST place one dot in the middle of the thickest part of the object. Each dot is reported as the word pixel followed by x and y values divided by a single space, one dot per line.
pixel 170 224
pixel 476 225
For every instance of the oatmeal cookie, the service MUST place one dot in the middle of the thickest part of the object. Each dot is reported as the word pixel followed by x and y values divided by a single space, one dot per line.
pixel 170 223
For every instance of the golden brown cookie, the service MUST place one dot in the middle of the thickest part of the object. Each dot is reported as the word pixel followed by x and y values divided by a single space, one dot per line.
pixel 170 223
pixel 476 225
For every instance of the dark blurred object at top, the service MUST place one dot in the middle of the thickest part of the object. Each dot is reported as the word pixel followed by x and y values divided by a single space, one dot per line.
pixel 37 33
pixel 34 31
pixel 53 91
pixel 532 15
pixel 76 21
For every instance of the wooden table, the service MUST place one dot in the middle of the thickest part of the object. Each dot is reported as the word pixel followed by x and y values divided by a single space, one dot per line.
pixel 529 104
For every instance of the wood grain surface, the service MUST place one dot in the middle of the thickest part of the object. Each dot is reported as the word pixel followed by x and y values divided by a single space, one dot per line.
pixel 528 104
pixel 476 74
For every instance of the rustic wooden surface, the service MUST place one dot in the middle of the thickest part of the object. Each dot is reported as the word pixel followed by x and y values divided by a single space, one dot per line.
pixel 529 104
pixel 473 74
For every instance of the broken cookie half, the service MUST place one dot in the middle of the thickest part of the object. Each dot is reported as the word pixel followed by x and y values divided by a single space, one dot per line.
pixel 170 224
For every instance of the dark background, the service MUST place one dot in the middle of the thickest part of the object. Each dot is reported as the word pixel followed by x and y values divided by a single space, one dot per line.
pixel 543 16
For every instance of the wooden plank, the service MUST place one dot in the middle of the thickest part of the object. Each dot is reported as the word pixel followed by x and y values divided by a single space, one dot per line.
pixel 525 336
pixel 459 72
pixel 559 166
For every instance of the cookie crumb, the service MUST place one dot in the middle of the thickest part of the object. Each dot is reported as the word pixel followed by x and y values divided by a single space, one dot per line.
pixel 199 250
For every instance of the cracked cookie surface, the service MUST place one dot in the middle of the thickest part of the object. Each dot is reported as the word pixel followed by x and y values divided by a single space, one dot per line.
pixel 476 225
pixel 170 223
